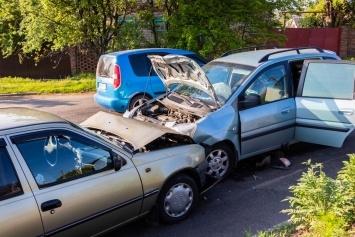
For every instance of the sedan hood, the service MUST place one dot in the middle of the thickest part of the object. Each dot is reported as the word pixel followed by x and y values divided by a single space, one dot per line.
pixel 136 132
pixel 176 69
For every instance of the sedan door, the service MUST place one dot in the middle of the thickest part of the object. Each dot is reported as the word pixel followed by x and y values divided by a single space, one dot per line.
pixel 75 185
pixel 19 212
pixel 325 102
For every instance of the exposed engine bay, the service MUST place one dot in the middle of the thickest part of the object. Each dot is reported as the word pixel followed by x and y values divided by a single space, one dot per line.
pixel 172 110
pixel 165 141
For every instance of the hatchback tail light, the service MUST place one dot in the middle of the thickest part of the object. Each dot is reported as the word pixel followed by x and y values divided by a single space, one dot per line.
pixel 116 77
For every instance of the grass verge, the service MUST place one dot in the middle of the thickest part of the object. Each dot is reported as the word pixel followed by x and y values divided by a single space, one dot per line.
pixel 83 82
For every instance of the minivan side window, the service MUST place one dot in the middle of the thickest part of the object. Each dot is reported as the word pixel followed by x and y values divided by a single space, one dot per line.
pixel 322 80
pixel 9 183
pixel 271 85
pixel 62 156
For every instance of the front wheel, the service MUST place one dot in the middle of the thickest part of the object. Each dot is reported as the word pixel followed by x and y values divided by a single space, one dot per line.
pixel 220 160
pixel 177 198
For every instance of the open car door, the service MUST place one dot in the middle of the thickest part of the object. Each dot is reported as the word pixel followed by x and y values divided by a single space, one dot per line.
pixel 325 106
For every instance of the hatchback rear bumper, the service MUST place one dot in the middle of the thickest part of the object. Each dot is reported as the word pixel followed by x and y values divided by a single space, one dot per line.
pixel 117 105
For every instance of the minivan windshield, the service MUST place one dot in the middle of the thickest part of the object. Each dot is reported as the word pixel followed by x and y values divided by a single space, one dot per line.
pixel 225 79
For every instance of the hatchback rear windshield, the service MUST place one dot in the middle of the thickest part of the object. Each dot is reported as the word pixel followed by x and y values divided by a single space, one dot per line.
pixel 105 67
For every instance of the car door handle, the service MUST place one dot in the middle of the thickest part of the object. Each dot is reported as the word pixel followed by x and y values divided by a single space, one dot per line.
pixel 346 111
pixel 286 110
pixel 50 205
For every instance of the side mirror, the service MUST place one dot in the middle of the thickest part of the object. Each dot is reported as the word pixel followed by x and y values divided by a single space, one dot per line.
pixel 117 161
pixel 249 101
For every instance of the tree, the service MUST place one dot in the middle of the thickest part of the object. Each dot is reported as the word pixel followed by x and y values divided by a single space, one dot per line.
pixel 349 14
pixel 57 24
pixel 209 27
pixel 10 19
pixel 330 13
pixel 212 27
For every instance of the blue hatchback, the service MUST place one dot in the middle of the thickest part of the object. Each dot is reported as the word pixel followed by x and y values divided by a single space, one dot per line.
pixel 125 79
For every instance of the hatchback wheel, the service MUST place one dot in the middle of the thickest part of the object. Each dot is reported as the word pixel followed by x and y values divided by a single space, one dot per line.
pixel 177 198
pixel 220 160
pixel 138 100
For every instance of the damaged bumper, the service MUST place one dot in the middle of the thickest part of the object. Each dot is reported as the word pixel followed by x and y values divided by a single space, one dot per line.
pixel 201 169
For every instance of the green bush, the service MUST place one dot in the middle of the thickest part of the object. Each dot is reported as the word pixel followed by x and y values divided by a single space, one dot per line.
pixel 321 205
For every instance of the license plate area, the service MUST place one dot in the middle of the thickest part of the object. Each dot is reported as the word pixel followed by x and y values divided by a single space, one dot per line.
pixel 102 86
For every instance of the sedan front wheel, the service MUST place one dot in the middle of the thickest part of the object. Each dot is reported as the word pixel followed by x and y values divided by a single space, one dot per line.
pixel 177 199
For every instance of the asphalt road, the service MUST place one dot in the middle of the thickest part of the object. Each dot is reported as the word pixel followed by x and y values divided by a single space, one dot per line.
pixel 74 107
pixel 250 199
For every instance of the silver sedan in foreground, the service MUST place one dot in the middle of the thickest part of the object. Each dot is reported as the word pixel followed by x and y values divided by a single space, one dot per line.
pixel 61 179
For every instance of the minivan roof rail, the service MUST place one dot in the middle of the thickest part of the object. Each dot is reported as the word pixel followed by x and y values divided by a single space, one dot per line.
pixel 266 57
pixel 249 48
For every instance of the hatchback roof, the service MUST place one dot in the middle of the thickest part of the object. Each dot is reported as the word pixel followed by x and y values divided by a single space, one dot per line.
pixel 147 50
pixel 19 116
pixel 253 57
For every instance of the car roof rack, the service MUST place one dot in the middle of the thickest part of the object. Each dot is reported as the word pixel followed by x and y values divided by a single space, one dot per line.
pixel 266 57
pixel 249 48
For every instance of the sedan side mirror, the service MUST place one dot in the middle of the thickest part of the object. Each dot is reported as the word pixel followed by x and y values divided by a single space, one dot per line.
pixel 117 161
pixel 249 101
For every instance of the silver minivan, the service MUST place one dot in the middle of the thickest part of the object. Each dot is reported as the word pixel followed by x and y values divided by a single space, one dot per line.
pixel 249 103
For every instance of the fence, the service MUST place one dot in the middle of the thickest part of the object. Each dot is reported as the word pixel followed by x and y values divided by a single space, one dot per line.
pixel 339 40
pixel 46 68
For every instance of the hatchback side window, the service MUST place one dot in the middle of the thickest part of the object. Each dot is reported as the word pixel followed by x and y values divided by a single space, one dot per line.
pixel 139 64
pixel 61 157
pixel 149 63
pixel 270 85
pixel 9 183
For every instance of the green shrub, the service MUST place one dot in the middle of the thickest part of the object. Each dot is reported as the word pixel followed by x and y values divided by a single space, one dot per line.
pixel 321 205
pixel 347 176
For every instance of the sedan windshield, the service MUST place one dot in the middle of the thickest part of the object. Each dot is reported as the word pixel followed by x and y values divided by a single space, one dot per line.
pixel 225 79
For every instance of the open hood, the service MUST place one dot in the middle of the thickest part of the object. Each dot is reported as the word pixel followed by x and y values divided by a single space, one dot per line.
pixel 137 133
pixel 176 69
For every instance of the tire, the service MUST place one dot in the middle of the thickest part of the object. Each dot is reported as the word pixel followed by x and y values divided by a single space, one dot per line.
pixel 177 199
pixel 221 161
pixel 138 100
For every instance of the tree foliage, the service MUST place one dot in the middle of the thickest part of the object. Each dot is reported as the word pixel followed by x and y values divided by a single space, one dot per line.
pixel 209 27
pixel 10 19
pixel 330 13
pixel 212 27
pixel 57 24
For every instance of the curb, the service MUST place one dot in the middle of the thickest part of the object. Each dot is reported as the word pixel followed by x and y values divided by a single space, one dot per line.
pixel 19 94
